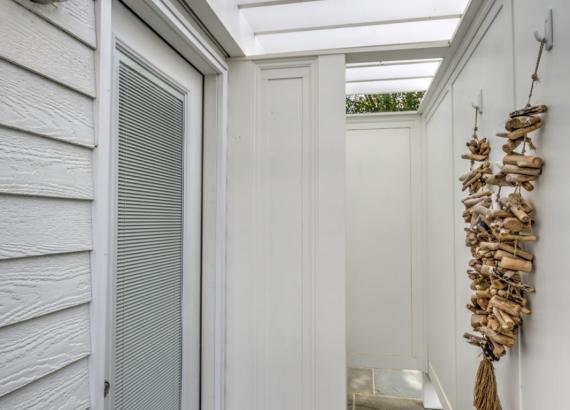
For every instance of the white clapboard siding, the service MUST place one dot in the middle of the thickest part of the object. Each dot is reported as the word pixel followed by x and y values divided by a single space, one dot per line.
pixel 65 389
pixel 38 226
pixel 47 133
pixel 35 348
pixel 32 103
pixel 76 17
pixel 33 165
pixel 30 41
pixel 32 287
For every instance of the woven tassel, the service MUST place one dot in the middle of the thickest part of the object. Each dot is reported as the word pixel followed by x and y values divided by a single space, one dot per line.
pixel 486 396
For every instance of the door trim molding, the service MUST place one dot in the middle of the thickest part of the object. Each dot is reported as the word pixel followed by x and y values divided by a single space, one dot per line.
pixel 180 32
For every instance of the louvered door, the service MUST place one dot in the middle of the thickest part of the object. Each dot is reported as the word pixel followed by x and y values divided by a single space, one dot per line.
pixel 157 208
pixel 150 201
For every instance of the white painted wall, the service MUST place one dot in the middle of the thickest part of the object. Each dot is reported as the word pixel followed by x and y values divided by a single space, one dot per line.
pixel 286 236
pixel 47 133
pixel 499 61
pixel 383 312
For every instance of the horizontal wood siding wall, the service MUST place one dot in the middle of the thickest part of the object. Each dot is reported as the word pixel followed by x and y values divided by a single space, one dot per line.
pixel 47 91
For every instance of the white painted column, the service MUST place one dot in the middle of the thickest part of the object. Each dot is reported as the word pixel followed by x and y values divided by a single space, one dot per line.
pixel 286 263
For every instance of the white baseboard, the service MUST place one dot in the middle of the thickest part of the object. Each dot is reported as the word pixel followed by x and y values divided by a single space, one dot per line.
pixel 439 388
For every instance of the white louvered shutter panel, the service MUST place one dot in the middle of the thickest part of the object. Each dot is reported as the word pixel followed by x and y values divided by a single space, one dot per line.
pixel 147 353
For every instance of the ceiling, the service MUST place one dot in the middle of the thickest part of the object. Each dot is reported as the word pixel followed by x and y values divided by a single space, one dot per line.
pixel 285 26
pixel 305 26
pixel 389 77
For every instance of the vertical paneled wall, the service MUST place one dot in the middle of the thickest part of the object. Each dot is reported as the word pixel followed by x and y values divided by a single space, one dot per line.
pixel 285 307
pixel 47 88
pixel 383 188
pixel 499 61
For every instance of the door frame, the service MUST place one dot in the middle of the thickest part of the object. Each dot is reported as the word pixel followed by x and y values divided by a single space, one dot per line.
pixel 184 35
pixel 191 228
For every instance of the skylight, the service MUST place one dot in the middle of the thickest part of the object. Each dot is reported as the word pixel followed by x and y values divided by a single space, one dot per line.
pixel 396 76
pixel 288 26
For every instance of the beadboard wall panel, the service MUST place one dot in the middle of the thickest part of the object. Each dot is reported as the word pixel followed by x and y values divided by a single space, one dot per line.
pixel 31 42
pixel 37 226
pixel 74 17
pixel 33 165
pixel 47 133
pixel 34 104
pixel 65 389
pixel 32 287
pixel 35 348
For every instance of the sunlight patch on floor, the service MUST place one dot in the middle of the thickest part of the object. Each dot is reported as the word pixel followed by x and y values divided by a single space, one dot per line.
pixel 384 389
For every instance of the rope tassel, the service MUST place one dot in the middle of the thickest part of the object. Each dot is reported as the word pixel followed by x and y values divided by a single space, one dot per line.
pixel 486 396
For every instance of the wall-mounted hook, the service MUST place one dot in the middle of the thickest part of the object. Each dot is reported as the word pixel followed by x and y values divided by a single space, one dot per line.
pixel 478 105
pixel 548 35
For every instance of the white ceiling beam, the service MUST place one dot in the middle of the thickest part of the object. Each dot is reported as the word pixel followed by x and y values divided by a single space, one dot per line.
pixel 380 63
pixel 418 51
pixel 384 53
pixel 358 24
pixel 245 4
pixel 393 86
pixel 420 77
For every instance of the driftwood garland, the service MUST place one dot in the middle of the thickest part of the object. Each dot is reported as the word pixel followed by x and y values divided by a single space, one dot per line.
pixel 497 229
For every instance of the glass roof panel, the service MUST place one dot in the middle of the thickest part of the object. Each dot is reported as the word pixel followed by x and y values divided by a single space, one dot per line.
pixel 391 71
pixel 388 86
pixel 389 34
pixel 310 14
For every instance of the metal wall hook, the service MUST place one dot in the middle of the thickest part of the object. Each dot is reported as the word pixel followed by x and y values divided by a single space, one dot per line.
pixel 548 35
pixel 478 105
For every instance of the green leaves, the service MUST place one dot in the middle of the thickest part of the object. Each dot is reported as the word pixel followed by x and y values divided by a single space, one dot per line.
pixel 367 103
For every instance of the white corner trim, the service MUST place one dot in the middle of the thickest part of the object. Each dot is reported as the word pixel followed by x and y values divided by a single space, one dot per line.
pixel 475 23
pixel 101 207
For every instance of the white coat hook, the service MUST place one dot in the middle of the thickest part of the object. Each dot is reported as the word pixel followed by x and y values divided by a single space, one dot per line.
pixel 478 105
pixel 548 35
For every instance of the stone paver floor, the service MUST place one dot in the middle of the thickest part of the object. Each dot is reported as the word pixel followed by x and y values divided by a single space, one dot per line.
pixel 381 389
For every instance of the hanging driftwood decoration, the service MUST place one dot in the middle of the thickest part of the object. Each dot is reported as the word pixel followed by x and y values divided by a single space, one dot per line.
pixel 498 229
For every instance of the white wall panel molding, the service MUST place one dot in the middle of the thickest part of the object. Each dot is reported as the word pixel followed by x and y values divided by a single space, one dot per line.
pixel 284 200
pixel 385 272
pixel 286 235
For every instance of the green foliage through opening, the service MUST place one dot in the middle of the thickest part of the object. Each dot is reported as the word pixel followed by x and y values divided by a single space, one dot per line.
pixel 367 103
